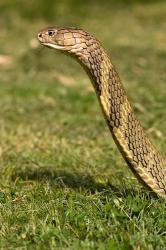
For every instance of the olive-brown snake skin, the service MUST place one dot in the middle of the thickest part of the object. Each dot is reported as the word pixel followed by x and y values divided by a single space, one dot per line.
pixel 141 156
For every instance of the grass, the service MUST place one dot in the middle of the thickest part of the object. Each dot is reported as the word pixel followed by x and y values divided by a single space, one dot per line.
pixel 63 183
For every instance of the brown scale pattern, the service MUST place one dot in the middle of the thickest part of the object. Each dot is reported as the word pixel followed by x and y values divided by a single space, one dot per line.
pixel 95 58
pixel 136 140
pixel 116 98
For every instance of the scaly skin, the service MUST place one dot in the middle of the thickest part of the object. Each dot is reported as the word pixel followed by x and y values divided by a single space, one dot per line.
pixel 141 156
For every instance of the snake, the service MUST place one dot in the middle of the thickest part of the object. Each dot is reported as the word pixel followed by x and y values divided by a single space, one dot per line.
pixel 142 157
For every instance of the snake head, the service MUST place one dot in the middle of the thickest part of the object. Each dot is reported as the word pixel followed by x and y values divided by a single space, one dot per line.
pixel 72 40
pixel 75 41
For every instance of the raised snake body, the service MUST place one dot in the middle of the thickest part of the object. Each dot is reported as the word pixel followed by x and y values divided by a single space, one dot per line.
pixel 141 156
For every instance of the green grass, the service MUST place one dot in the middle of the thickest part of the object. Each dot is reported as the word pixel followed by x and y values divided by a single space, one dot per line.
pixel 63 183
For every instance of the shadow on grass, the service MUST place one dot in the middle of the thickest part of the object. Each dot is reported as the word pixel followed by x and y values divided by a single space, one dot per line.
pixel 77 180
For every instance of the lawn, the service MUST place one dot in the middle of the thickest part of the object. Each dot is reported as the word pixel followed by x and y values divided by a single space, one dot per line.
pixel 63 182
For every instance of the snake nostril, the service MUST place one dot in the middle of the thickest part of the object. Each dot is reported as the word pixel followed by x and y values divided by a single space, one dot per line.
pixel 40 35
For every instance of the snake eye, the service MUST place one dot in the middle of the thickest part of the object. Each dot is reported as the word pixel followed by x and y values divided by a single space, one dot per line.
pixel 51 32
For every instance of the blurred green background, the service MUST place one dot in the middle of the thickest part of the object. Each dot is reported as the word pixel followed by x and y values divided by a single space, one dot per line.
pixel 63 183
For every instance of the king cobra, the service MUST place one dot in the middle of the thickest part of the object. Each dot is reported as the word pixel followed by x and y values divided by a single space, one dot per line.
pixel 148 165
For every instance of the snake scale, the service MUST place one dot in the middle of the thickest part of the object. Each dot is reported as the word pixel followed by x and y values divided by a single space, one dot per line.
pixel 142 157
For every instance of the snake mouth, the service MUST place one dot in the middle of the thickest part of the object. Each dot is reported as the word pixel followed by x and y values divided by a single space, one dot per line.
pixel 54 46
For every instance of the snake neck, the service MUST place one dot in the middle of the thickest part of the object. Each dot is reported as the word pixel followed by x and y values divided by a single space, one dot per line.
pixel 141 156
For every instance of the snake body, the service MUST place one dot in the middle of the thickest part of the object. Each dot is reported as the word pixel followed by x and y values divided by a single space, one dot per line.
pixel 142 157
